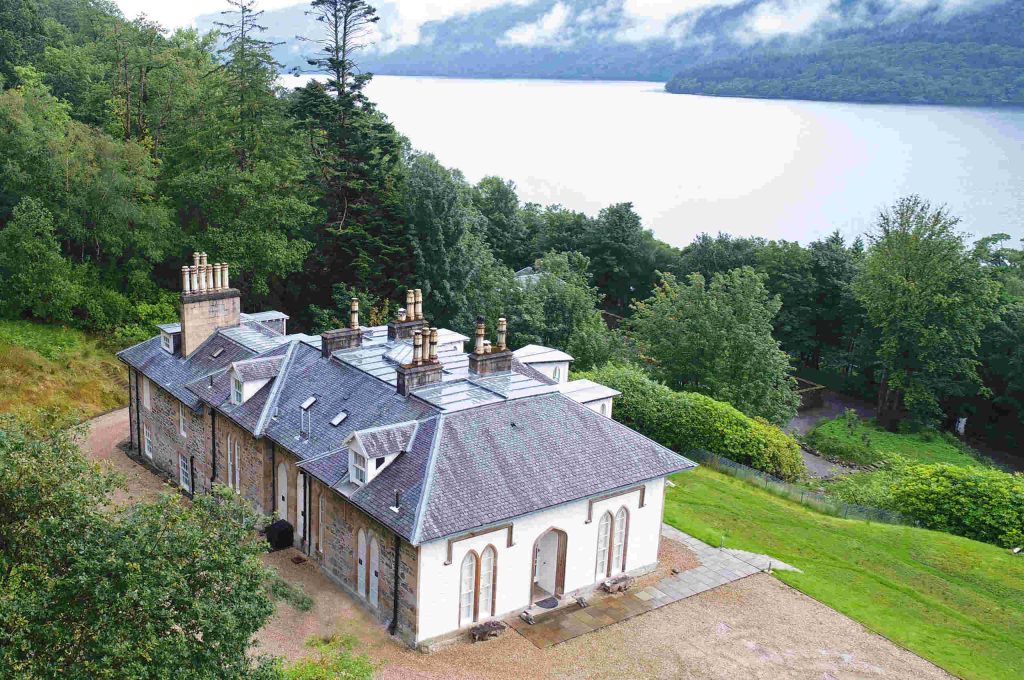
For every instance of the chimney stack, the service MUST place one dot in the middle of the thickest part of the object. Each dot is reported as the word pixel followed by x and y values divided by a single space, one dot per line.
pixel 207 302
pixel 478 346
pixel 424 369
pixel 343 338
pixel 409 319
pixel 485 359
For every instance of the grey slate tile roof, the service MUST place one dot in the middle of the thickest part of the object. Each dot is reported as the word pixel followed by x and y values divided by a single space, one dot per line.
pixel 458 470
pixel 260 368
pixel 497 462
pixel 329 469
pixel 407 474
pixel 173 372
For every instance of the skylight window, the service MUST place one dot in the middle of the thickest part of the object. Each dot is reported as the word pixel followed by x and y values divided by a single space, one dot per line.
pixel 339 419
pixel 217 352
pixel 309 402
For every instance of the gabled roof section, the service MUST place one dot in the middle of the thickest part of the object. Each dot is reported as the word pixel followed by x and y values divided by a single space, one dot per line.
pixel 585 391
pixel 502 461
pixel 386 440
pixel 173 372
pixel 259 368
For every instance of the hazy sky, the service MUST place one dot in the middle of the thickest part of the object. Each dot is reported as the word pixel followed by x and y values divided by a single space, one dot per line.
pixel 633 20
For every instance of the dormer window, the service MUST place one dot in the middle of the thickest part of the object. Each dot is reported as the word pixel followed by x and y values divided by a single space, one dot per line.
pixel 167 343
pixel 358 468
pixel 236 390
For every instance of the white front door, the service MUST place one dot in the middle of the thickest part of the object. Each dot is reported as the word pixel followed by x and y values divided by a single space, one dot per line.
pixel 282 491
pixel 300 505
pixel 374 568
pixel 361 563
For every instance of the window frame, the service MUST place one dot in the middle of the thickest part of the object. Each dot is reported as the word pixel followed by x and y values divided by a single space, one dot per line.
pixel 360 463
pixel 321 511
pixel 619 527
pixel 167 342
pixel 182 429
pixel 238 466
pixel 237 390
pixel 605 531
pixel 472 590
pixel 492 583
pixel 147 441
pixel 147 394
pixel 184 472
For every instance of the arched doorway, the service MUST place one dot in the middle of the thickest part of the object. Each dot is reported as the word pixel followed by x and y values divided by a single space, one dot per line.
pixel 548 577
pixel 361 563
pixel 282 491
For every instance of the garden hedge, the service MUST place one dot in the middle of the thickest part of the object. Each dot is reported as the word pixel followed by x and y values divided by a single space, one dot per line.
pixel 683 421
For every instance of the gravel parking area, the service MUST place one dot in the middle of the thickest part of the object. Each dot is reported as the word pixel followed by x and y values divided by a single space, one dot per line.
pixel 755 628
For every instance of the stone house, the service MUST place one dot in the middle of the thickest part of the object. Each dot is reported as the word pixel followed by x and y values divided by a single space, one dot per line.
pixel 440 488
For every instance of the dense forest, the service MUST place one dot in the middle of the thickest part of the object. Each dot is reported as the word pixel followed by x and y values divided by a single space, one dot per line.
pixel 126 147
pixel 857 50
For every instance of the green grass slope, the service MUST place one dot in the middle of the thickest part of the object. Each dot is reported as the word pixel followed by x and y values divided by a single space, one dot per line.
pixel 957 602
pixel 924 447
pixel 55 367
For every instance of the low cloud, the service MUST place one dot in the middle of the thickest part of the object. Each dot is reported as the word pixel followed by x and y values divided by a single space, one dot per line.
pixel 785 17
pixel 546 31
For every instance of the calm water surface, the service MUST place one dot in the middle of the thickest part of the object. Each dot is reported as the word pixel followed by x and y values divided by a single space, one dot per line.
pixel 780 169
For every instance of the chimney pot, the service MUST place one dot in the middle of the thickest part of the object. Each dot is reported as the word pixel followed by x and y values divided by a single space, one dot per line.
pixel 433 345
pixel 201 276
pixel 202 259
pixel 209 277
pixel 410 304
pixel 353 322
pixel 193 277
pixel 502 334
pixel 224 275
pixel 419 304
pixel 216 276
pixel 487 346
pixel 401 314
pixel 417 348
pixel 195 259
pixel 478 346
pixel 186 288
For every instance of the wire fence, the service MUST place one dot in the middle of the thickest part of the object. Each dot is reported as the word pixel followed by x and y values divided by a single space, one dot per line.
pixel 812 499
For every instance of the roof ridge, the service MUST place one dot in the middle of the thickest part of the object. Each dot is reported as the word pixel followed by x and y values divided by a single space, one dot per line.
pixel 428 480
pixel 275 390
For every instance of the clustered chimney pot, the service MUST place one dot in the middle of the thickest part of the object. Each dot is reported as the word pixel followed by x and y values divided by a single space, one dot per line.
pixel 204 277
pixel 353 322
pixel 478 346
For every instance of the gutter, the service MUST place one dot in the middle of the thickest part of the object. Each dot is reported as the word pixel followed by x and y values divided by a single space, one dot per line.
pixel 138 408
pixel 213 445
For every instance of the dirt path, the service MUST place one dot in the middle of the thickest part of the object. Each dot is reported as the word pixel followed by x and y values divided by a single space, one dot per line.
pixel 756 628
pixel 101 445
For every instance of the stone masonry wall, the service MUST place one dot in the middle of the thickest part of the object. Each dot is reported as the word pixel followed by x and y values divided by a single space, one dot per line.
pixel 343 522
pixel 252 483
pixel 161 419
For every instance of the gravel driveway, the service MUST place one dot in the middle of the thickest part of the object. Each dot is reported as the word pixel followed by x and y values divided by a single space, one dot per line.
pixel 755 628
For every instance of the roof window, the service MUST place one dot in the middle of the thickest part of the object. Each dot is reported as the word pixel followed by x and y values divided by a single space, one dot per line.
pixel 217 352
pixel 339 419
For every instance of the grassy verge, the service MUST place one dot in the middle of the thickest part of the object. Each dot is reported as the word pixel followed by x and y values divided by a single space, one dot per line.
pixel 54 367
pixel 924 447
pixel 956 602
pixel 291 593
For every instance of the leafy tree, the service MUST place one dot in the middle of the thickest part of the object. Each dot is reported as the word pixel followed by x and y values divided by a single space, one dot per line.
pixel 717 340
pixel 91 592
pixel 615 246
pixel 838 317
pixel 929 299
pixel 709 255
pixel 789 271
pixel 21 33
pixel 497 201
pixel 34 277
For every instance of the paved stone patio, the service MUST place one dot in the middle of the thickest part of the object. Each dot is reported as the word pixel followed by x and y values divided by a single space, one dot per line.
pixel 717 567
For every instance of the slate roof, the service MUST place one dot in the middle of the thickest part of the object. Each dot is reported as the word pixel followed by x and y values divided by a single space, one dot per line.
pixel 586 391
pixel 260 368
pixel 528 448
pixel 497 462
pixel 538 354
pixel 173 372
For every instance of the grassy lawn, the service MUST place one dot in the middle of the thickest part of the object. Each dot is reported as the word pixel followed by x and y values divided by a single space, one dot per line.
pixel 44 367
pixel 957 602
pixel 921 448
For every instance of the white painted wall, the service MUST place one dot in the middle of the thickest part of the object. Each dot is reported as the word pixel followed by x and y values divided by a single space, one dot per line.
pixel 548 369
pixel 439 583
pixel 602 406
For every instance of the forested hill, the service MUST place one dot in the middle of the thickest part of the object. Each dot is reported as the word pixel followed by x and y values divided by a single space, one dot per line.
pixel 936 51
pixel 977 60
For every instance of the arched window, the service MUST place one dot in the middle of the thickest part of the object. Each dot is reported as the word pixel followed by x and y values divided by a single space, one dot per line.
pixel 604 531
pixel 467 589
pixel 556 375
pixel 619 545
pixel 488 572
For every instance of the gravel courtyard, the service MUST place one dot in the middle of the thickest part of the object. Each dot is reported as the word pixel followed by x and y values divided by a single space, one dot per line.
pixel 757 627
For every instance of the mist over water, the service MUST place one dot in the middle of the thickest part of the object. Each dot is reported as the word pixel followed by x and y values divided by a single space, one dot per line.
pixel 778 169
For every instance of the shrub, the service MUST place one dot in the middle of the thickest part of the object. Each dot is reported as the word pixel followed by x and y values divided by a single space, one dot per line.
pixel 980 503
pixel 333 660
pixel 683 421
pixel 857 452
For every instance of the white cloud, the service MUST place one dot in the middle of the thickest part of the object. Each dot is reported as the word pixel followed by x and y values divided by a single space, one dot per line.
pixel 785 17
pixel 178 13
pixel 545 31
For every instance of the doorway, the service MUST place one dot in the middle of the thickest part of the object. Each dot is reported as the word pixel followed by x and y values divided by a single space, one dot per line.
pixel 548 578
pixel 374 571
pixel 282 491
pixel 300 506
